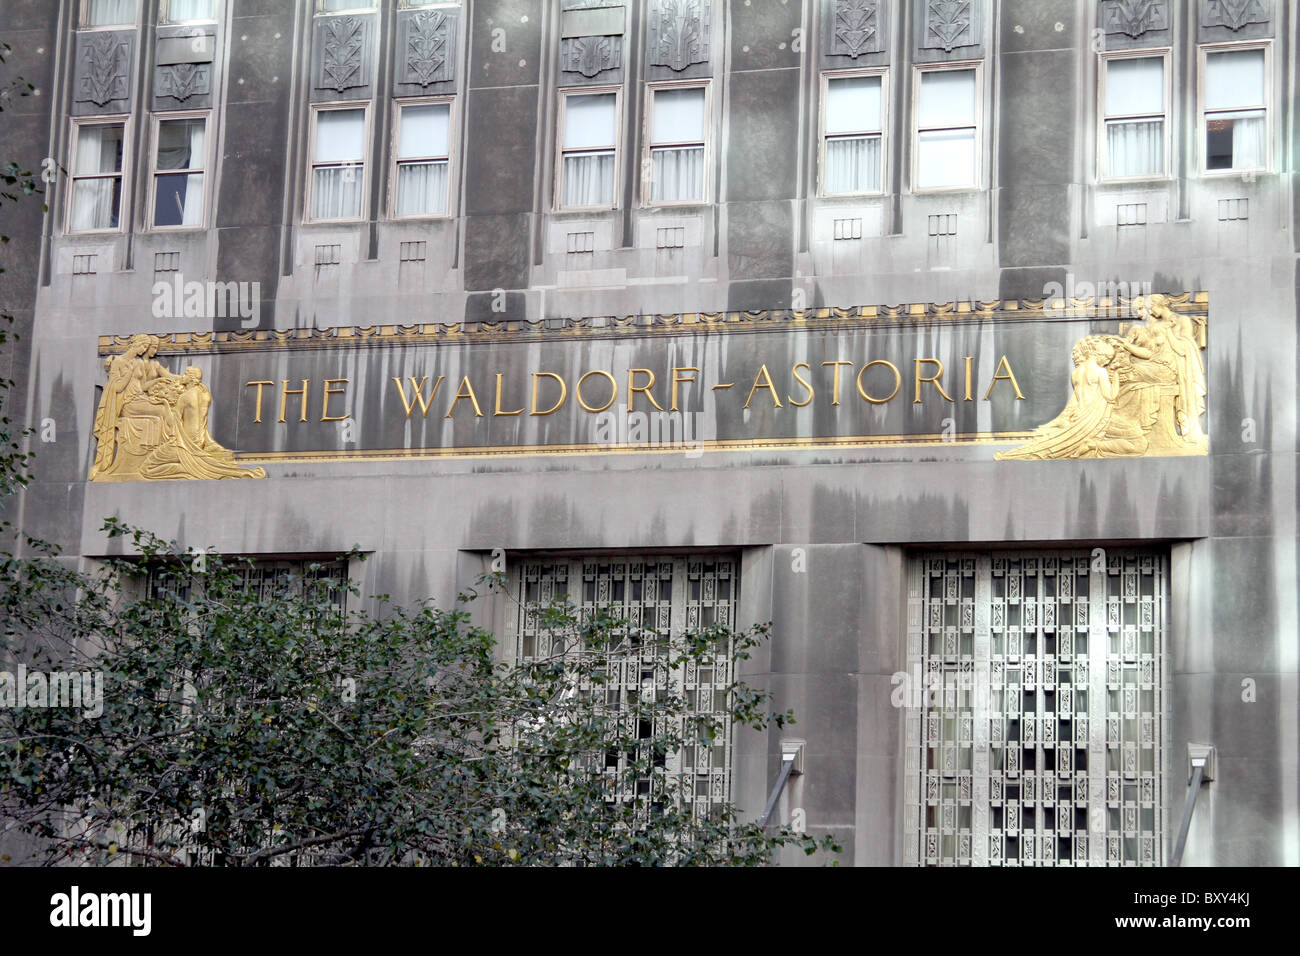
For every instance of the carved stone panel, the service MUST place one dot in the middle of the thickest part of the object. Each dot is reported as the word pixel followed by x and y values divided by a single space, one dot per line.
pixel 183 68
pixel 101 81
pixel 1235 19
pixel 856 28
pixel 591 37
pixel 951 28
pixel 1134 18
pixel 679 33
pixel 426 51
pixel 342 57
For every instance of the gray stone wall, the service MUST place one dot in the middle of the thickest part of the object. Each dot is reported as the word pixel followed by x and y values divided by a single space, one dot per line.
pixel 765 240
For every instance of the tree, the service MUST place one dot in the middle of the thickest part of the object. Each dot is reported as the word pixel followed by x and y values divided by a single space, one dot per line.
pixel 242 726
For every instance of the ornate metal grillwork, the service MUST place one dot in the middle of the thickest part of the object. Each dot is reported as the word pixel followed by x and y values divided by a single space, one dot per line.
pixel 265 577
pixel 1035 705
pixel 668 595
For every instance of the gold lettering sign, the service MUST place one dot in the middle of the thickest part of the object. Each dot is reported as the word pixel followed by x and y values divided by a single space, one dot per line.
pixel 962 374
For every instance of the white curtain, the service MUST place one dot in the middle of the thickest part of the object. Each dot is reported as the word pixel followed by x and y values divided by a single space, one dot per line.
pixel 95 202
pixel 946 158
pixel 178 200
pixel 422 189
pixel 191 10
pixel 853 165
pixel 588 180
pixel 1234 79
pixel 105 13
pixel 338 178
pixel 678 174
pixel 1135 148
pixel 1249 146
pixel 336 192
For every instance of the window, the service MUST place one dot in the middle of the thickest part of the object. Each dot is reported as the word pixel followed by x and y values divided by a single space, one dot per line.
pixel 946 124
pixel 1234 91
pixel 672 596
pixel 180 155
pixel 422 159
pixel 1134 97
pixel 344 6
pixel 267 578
pixel 108 13
pixel 678 124
pixel 338 168
pixel 588 150
pixel 852 135
pixel 1035 704
pixel 96 195
pixel 187 11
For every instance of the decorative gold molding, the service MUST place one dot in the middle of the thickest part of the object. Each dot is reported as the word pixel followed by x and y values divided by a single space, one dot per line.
pixel 152 425
pixel 1137 394
pixel 528 330
pixel 659 448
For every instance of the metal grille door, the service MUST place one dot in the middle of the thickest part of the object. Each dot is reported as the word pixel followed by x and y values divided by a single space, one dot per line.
pixel 1035 708
pixel 669 595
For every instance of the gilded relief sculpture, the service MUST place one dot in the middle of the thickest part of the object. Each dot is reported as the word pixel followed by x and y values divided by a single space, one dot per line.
pixel 1140 393
pixel 153 425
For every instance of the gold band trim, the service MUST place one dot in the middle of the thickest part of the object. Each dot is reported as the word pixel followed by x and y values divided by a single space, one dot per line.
pixel 747 444
pixel 635 326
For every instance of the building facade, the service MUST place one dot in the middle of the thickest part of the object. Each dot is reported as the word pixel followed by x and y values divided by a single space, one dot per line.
pixel 955 339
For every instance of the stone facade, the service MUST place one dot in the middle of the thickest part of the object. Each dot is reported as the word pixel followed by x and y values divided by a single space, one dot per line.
pixel 825 535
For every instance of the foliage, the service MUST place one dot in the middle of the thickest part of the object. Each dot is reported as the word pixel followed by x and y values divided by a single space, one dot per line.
pixel 244 727
pixel 15 182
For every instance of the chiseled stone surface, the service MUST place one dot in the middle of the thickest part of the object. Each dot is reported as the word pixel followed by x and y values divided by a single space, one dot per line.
pixel 851 518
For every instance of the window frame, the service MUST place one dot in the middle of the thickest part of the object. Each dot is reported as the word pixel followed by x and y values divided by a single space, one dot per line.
pixel 316 110
pixel 648 145
pixel 124 210
pixel 156 121
pixel 822 136
pixel 426 4
pixel 83 18
pixel 361 6
pixel 560 151
pixel 919 70
pixel 395 160
pixel 1165 55
pixel 164 10
pixel 1202 114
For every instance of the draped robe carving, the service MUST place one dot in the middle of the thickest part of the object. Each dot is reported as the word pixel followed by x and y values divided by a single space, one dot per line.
pixel 153 425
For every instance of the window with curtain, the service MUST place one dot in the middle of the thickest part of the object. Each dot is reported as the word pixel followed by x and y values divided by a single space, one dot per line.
pixel 97 177
pixel 338 6
pixel 677 140
pixel 1134 109
pixel 946 155
pixel 423 159
pixel 183 11
pixel 108 13
pixel 1235 111
pixel 589 150
pixel 179 160
pixel 852 136
pixel 338 164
